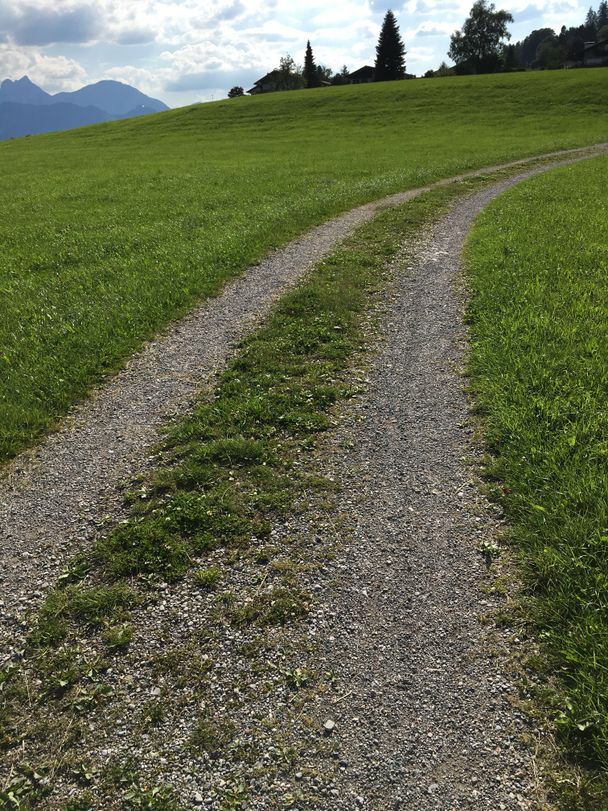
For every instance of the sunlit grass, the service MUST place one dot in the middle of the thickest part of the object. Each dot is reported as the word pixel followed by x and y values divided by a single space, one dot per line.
pixel 109 232
pixel 231 471
pixel 538 267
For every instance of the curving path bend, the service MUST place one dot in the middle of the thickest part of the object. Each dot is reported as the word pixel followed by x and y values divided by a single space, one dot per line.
pixel 52 499
pixel 424 717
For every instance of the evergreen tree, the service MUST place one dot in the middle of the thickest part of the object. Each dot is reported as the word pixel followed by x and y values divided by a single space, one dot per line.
pixel 390 51
pixel 310 73
pixel 342 76
pixel 591 22
pixel 509 57
pixel 602 15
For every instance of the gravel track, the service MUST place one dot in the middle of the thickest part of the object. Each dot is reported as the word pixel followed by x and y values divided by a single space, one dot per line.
pixel 428 718
pixel 53 498
pixel 425 717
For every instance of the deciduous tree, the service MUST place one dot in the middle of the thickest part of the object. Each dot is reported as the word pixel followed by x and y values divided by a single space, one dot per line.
pixel 476 48
pixel 235 91
pixel 549 54
pixel 289 75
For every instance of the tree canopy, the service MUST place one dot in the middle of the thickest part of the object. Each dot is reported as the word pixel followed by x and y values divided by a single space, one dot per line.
pixel 477 47
pixel 390 51
pixel 289 75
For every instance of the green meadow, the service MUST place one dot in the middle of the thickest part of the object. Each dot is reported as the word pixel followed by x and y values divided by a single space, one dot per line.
pixel 538 270
pixel 110 232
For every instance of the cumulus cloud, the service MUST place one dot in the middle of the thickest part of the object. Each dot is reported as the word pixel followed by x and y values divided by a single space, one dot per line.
pixel 380 6
pixel 135 36
pixel 53 73
pixel 430 29
pixel 212 80
pixel 230 12
pixel 438 9
pixel 39 25
pixel 563 10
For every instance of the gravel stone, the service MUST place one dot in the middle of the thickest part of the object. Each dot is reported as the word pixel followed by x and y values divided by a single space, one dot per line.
pixel 430 721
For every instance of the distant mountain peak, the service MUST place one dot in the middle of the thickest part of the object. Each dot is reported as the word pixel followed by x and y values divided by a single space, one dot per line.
pixel 116 98
pixel 24 80
pixel 23 91
pixel 22 104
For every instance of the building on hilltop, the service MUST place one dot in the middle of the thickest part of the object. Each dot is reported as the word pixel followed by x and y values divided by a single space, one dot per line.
pixel 595 54
pixel 367 74
pixel 267 84
pixel 362 76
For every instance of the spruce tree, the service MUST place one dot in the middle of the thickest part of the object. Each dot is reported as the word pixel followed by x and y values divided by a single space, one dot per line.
pixel 602 14
pixel 310 73
pixel 591 22
pixel 390 51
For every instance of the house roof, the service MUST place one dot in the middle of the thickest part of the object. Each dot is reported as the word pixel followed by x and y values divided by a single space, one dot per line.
pixel 591 45
pixel 267 78
pixel 364 71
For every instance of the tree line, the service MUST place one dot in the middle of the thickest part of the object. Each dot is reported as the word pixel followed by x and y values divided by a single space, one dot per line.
pixel 545 49
pixel 482 44
pixel 389 64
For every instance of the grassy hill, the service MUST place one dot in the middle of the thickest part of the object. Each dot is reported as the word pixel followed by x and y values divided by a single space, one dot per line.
pixel 111 231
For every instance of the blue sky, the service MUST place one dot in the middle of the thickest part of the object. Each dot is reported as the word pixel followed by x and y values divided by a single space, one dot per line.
pixel 183 51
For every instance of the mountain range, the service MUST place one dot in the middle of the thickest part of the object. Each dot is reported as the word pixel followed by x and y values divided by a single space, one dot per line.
pixel 26 109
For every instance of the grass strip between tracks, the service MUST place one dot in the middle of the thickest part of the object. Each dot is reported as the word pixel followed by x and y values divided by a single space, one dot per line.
pixel 538 269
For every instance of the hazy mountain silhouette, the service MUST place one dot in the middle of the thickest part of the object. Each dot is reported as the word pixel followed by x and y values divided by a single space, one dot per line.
pixel 26 109
pixel 23 91
pixel 115 98
pixel 17 120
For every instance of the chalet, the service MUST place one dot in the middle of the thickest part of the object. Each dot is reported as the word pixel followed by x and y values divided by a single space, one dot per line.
pixel 595 54
pixel 362 76
pixel 366 74
pixel 267 84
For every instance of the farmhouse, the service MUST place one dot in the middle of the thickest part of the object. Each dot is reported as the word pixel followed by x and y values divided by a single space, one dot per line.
pixel 367 74
pixel 595 53
pixel 267 84
pixel 362 76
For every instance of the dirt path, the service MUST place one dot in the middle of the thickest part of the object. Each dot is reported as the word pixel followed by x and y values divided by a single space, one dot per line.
pixel 420 697
pixel 53 499
pixel 427 720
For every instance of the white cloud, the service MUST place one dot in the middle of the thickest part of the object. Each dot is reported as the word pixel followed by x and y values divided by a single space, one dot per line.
pixel 53 73
pixel 429 29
